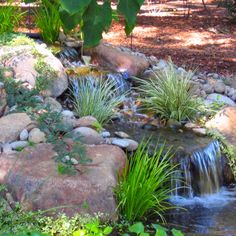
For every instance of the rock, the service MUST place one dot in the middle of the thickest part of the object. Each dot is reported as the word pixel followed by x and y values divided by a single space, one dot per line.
pixel 86 121
pixel 203 94
pixel 53 104
pixel 37 136
pixel 68 114
pixel 22 59
pixel 61 37
pixel 12 125
pixel 215 97
pixel 74 44
pixel 208 88
pixel 88 135
pixel 128 144
pixel 120 142
pixel 33 179
pixel 24 134
pixel 6 148
pixel 219 87
pixel 74 161
pixel 19 144
pixel 173 123
pixel 115 60
pixel 191 125
pixel 225 122
pixel 3 100
pixel 162 64
pixel 200 131
pixel 105 134
pixel 121 134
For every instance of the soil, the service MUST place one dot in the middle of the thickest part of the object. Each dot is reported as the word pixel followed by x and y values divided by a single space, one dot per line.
pixel 204 39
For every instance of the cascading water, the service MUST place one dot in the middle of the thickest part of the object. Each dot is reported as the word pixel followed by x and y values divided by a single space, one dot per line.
pixel 200 173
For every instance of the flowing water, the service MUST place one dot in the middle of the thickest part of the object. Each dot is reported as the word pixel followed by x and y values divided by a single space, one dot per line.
pixel 205 207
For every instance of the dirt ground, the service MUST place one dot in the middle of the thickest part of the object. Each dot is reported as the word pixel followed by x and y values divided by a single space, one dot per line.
pixel 204 40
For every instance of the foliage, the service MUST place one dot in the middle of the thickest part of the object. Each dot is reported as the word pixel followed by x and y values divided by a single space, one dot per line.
pixel 230 5
pixel 94 18
pixel 13 39
pixel 47 18
pixel 144 186
pixel 169 94
pixel 52 124
pixel 95 98
pixel 10 17
pixel 228 149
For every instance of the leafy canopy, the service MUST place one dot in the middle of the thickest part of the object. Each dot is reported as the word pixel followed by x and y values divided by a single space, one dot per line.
pixel 95 18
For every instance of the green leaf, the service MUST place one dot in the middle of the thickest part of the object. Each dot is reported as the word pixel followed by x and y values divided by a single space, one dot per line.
pixel 137 228
pixel 160 231
pixel 69 21
pixel 107 230
pixel 96 19
pixel 75 6
pixel 176 232
pixel 144 234
pixel 129 9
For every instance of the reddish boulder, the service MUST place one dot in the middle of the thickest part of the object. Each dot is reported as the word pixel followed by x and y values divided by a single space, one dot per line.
pixel 115 60
pixel 33 180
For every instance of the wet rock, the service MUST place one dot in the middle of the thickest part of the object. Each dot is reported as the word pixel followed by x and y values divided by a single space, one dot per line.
pixel 200 131
pixel 173 123
pixel 132 145
pixel 86 121
pixel 35 183
pixel 19 144
pixel 24 134
pixel 121 134
pixel 22 60
pixel 87 135
pixel 216 97
pixel 115 60
pixel 191 125
pixel 120 142
pixel 12 125
pixel 37 136
pixel 53 104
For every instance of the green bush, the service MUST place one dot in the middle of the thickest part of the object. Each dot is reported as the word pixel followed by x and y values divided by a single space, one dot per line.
pixel 98 99
pixel 169 94
pixel 230 5
pixel 10 17
pixel 144 186
pixel 48 20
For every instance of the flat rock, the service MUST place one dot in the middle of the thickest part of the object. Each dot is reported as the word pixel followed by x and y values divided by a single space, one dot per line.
pixel 86 121
pixel 12 125
pixel 32 178
pixel 121 134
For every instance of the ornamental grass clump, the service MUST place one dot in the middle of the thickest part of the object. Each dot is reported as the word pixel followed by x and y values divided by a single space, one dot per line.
pixel 96 97
pixel 47 18
pixel 144 186
pixel 169 94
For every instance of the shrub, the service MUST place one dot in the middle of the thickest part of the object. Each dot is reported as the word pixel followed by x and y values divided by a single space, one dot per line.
pixel 10 17
pixel 145 184
pixel 95 98
pixel 48 20
pixel 230 5
pixel 169 94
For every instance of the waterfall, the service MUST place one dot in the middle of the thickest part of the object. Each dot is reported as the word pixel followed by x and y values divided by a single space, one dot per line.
pixel 199 173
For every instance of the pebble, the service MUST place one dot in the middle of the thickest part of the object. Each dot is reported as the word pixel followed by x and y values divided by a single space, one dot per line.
pixel 120 142
pixel 24 135
pixel 74 161
pixel 121 134
pixel 106 134
pixel 18 144
pixel 37 136
pixel 67 114
pixel 200 131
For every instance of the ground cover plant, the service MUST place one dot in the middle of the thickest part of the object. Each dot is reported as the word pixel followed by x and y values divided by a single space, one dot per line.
pixel 169 94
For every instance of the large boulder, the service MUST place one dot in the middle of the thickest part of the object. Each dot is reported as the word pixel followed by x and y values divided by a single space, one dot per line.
pixel 22 59
pixel 12 125
pixel 32 178
pixel 115 60
pixel 225 122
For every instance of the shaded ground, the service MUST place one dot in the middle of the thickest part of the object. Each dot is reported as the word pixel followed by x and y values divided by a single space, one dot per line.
pixel 205 40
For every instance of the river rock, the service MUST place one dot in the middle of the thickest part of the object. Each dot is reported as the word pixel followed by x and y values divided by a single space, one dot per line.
pixel 225 122
pixel 22 60
pixel 86 121
pixel 32 178
pixel 53 104
pixel 208 88
pixel 219 87
pixel 12 125
pixel 37 136
pixel 216 97
pixel 115 60
pixel 24 134
pixel 120 142
pixel 121 134
pixel 19 144
pixel 87 135
pixel 200 131
pixel 132 145
pixel 67 114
